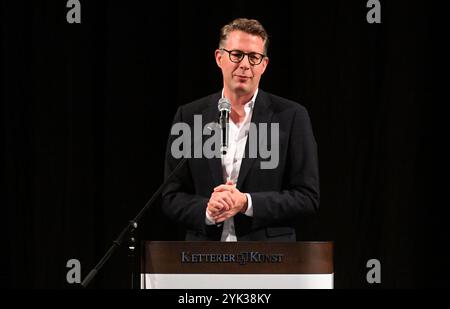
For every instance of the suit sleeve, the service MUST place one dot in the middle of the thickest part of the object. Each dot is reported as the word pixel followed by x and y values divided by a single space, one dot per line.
pixel 179 201
pixel 300 193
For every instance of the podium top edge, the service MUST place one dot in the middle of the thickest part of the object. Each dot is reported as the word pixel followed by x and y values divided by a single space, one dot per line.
pixel 247 242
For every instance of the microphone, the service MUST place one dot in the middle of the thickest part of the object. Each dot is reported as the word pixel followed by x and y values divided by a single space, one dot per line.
pixel 224 107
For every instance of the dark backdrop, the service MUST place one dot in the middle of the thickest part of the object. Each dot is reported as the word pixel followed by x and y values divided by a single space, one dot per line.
pixel 86 110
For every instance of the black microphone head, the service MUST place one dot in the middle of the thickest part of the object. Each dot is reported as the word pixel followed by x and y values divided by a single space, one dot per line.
pixel 224 105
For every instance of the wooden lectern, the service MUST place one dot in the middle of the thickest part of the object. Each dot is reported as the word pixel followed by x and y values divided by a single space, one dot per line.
pixel 236 265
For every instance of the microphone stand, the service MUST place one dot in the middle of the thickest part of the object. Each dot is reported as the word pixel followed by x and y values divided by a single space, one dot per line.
pixel 130 231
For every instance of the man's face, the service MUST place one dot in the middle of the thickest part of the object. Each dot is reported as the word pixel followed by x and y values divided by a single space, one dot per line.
pixel 241 78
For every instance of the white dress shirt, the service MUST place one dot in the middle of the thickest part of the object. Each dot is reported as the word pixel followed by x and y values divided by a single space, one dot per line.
pixel 231 164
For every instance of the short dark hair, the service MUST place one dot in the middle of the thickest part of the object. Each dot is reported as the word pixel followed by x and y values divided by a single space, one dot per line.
pixel 251 26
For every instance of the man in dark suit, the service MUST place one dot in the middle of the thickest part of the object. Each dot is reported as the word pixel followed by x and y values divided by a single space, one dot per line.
pixel 234 197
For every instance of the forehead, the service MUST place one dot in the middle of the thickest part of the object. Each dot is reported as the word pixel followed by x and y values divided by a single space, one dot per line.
pixel 244 41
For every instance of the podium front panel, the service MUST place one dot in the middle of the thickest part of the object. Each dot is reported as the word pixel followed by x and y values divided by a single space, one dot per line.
pixel 237 265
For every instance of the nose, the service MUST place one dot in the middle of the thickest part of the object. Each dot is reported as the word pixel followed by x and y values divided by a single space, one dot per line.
pixel 245 64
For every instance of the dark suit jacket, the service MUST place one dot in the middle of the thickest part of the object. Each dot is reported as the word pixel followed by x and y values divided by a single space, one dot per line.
pixel 279 195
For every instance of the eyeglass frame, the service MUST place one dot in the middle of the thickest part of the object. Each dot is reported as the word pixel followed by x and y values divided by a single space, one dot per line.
pixel 244 54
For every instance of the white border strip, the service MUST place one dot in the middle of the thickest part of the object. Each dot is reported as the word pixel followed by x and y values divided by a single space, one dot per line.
pixel 237 281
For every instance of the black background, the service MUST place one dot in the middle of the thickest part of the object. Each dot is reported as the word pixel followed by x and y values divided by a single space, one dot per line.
pixel 87 108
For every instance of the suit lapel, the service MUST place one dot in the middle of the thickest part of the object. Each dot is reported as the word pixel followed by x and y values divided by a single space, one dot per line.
pixel 262 113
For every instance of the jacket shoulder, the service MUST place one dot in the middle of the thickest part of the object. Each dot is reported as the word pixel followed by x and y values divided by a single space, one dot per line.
pixel 280 104
pixel 200 105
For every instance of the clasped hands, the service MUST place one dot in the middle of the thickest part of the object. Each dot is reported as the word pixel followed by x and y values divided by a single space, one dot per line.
pixel 225 202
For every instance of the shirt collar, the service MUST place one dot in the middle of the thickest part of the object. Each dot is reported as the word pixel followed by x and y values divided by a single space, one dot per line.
pixel 250 104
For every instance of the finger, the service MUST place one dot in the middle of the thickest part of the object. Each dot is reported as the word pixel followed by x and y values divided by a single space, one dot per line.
pixel 223 215
pixel 221 197
pixel 211 214
pixel 224 188
pixel 228 198
pixel 218 213
pixel 214 207
pixel 232 196
pixel 224 205
pixel 219 219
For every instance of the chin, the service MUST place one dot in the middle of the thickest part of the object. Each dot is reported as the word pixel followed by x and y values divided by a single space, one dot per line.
pixel 242 88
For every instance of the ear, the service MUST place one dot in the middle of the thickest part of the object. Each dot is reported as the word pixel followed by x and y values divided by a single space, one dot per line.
pixel 218 55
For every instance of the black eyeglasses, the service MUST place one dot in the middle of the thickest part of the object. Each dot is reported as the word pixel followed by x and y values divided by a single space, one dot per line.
pixel 236 56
